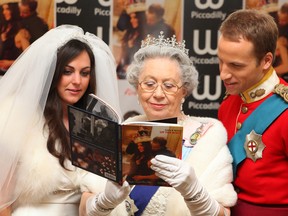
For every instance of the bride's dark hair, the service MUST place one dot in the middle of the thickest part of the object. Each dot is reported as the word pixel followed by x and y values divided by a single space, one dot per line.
pixel 58 140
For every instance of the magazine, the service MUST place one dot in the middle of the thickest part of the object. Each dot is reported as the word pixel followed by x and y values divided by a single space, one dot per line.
pixel 103 145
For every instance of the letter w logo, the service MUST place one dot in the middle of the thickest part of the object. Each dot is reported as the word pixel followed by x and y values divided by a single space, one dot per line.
pixel 206 92
pixel 208 4
pixel 207 48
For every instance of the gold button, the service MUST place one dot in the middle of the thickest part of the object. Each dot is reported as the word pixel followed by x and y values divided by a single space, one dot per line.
pixel 244 109
pixel 239 125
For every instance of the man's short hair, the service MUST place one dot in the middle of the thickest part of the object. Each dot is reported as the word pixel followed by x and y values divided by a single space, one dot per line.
pixel 284 8
pixel 160 140
pixel 32 4
pixel 156 9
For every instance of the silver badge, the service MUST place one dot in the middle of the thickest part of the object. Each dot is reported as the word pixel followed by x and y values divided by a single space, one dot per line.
pixel 254 146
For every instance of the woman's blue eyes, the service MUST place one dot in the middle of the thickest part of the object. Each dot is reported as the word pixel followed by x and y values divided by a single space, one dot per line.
pixel 165 84
pixel 168 85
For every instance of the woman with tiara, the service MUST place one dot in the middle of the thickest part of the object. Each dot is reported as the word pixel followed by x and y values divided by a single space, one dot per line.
pixel 163 75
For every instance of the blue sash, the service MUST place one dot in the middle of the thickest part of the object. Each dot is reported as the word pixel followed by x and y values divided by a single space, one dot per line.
pixel 259 121
pixel 141 195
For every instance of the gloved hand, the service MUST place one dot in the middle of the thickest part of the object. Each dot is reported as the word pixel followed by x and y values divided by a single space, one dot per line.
pixel 105 202
pixel 113 195
pixel 182 177
pixel 177 173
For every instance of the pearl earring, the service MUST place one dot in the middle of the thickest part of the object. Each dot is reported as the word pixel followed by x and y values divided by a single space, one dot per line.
pixel 182 101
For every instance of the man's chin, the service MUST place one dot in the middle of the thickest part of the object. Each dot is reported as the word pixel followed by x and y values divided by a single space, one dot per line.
pixel 231 92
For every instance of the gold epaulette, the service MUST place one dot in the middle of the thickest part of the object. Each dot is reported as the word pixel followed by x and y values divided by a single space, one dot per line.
pixel 282 90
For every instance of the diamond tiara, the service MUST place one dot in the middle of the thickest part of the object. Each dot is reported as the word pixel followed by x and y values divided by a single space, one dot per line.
pixel 165 42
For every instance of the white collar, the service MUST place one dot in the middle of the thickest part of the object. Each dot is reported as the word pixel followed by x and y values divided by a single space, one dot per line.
pixel 262 88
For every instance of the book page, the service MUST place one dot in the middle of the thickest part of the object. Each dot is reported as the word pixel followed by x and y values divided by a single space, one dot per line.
pixel 94 144
pixel 101 108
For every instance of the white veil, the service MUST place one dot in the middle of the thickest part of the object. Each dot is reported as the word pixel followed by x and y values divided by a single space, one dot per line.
pixel 24 89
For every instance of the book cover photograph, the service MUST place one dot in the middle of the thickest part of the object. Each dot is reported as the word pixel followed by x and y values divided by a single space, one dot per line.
pixel 140 143
pixel 101 144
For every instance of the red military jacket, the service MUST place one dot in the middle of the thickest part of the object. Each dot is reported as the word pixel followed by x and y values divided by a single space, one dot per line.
pixel 264 181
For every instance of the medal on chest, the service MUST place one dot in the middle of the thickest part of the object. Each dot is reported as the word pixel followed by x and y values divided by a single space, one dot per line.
pixel 254 146
pixel 194 131
pixel 195 136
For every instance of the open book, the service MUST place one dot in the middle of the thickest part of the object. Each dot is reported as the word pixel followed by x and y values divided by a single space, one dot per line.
pixel 102 144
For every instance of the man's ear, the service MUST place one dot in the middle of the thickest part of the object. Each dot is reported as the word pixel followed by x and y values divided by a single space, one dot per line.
pixel 267 61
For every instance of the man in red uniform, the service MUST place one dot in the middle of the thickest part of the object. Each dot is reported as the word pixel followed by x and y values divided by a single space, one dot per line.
pixel 254 113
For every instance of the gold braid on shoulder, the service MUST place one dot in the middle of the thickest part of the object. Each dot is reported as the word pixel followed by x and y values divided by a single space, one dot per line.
pixel 282 90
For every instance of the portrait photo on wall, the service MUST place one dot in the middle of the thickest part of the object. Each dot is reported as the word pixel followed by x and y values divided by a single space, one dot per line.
pixel 133 20
pixel 21 23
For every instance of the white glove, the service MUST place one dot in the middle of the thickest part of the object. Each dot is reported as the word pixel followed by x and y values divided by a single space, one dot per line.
pixel 105 202
pixel 181 176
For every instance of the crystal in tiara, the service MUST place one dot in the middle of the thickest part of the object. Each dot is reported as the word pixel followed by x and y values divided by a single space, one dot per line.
pixel 165 42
